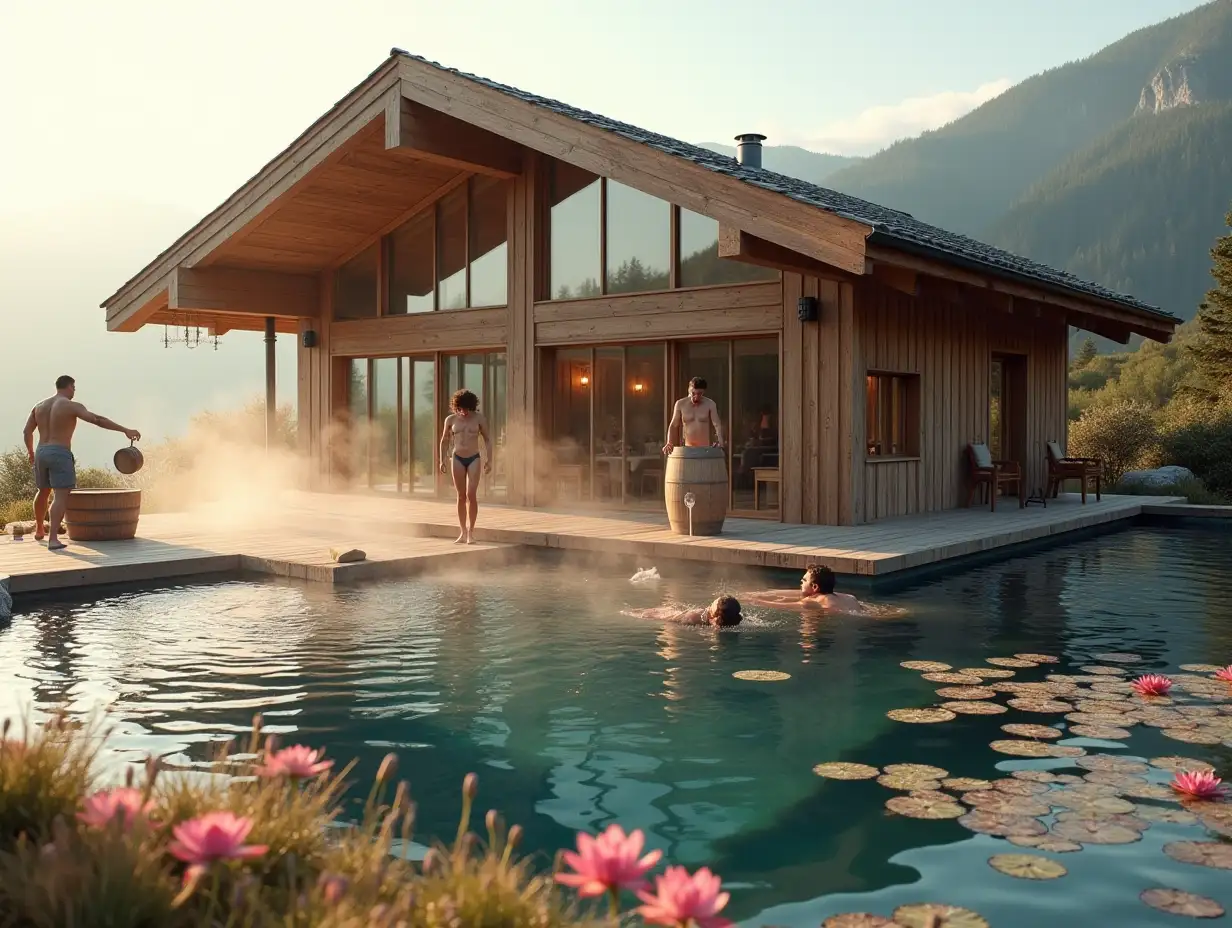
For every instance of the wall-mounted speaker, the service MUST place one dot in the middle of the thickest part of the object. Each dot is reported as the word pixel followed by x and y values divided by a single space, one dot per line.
pixel 309 338
pixel 807 309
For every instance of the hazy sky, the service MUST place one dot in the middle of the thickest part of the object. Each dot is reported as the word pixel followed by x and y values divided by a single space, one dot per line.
pixel 124 122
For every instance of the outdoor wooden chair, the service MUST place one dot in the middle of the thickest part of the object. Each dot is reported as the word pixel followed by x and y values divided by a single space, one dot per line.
pixel 1060 468
pixel 983 472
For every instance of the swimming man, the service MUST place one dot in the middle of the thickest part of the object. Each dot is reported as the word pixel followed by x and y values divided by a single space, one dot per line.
pixel 463 428
pixel 816 590
pixel 694 415
pixel 55 468
pixel 724 612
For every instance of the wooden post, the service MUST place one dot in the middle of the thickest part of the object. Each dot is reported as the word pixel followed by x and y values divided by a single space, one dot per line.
pixel 271 386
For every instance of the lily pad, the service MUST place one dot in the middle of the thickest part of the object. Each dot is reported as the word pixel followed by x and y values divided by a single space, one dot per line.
pixel 1099 732
pixel 1038 658
pixel 988 673
pixel 1019 787
pixel 1107 696
pixel 992 800
pixel 1021 748
pixel 1065 750
pixel 1102 671
pixel 1118 657
pixel 926 771
pixel 966 692
pixel 1110 763
pixel 920 716
pixel 975 707
pixel 918 807
pixel 965 784
pixel 1127 819
pixel 1010 662
pixel 933 915
pixel 1096 807
pixel 907 782
pixel 957 679
pixel 1220 826
pixel 1116 687
pixel 1050 843
pixel 1003 826
pixel 1116 779
pixel 1095 831
pixel 927 666
pixel 858 920
pixel 1149 791
pixel 1177 764
pixel 843 771
pixel 1192 735
pixel 1035 776
pixel 1040 705
pixel 1178 902
pixel 1214 854
pixel 1201 668
pixel 762 676
pixel 1026 730
pixel 1165 816
pixel 1027 866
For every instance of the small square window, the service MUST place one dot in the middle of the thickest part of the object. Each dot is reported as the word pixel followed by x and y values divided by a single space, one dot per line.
pixel 892 414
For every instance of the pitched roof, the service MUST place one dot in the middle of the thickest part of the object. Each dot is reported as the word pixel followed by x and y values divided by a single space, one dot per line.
pixel 891 228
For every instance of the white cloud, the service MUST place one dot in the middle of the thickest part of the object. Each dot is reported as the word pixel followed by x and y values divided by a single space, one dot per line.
pixel 878 126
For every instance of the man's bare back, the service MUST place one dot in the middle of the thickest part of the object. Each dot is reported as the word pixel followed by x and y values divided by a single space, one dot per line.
pixel 56 420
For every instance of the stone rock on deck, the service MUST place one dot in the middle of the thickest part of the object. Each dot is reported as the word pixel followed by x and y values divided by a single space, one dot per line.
pixel 347 555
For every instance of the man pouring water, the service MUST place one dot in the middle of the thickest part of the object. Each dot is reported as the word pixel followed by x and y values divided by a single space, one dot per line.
pixel 693 416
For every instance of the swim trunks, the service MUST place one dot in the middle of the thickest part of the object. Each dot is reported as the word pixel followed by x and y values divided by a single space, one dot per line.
pixel 55 468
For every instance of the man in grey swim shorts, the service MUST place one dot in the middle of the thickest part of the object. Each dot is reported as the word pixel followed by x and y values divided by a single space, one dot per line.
pixel 55 468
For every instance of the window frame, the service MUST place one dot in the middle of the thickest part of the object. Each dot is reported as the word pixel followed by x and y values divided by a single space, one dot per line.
pixel 877 420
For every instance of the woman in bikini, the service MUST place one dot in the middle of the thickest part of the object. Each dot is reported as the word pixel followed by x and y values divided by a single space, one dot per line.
pixel 462 430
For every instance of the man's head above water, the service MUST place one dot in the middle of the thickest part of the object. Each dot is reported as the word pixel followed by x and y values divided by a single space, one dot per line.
pixel 817 581
pixel 724 611
pixel 697 389
pixel 464 402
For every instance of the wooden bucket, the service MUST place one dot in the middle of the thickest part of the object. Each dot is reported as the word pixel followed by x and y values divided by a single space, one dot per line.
pixel 102 515
pixel 702 472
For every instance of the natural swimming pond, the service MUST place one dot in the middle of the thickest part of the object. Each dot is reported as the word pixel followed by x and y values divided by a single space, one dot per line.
pixel 575 716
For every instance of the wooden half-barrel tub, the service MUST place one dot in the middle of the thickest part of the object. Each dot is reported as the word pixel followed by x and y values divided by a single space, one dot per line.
pixel 702 472
pixel 102 515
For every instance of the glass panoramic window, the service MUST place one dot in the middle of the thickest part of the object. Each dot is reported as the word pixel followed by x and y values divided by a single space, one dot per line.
pixel 489 233
pixel 700 264
pixel 638 240
pixel 451 250
pixel 575 220
pixel 355 286
pixel 411 260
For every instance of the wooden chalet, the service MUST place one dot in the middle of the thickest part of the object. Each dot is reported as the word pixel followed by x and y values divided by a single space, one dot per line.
pixel 436 230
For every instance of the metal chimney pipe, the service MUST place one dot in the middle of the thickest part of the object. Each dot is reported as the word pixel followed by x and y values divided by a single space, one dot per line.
pixel 748 149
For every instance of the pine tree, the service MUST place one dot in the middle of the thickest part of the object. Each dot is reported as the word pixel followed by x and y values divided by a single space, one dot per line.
pixel 1212 347
pixel 1086 354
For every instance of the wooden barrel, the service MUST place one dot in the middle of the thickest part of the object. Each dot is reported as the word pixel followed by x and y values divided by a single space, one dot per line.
pixel 702 472
pixel 102 515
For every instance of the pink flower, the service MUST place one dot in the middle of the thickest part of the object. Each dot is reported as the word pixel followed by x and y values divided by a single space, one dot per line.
pixel 296 761
pixel 680 898
pixel 1225 674
pixel 1202 785
pixel 608 863
pixel 102 807
pixel 213 836
pixel 1152 684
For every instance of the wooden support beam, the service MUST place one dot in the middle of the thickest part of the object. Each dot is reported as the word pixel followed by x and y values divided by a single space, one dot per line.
pixel 236 291
pixel 902 279
pixel 135 315
pixel 741 246
pixel 1073 307
pixel 430 135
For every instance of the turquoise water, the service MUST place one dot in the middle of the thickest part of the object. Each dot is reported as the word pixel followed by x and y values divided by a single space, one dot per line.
pixel 576 716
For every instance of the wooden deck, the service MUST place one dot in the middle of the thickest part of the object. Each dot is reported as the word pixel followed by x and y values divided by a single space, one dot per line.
pixel 404 536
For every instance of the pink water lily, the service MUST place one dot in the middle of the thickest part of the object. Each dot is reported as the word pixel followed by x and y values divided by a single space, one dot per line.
pixel 103 807
pixel 1225 674
pixel 1199 785
pixel 608 863
pixel 298 761
pixel 1152 684
pixel 679 899
pixel 213 836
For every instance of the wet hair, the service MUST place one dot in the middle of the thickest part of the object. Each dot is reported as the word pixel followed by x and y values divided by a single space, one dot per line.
pixel 464 399
pixel 822 576
pixel 728 608
pixel 64 381
pixel 698 383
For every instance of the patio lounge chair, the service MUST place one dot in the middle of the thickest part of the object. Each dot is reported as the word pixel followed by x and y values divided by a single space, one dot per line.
pixel 1061 468
pixel 983 471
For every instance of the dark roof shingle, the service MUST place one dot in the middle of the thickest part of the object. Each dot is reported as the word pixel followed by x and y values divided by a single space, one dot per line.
pixel 891 227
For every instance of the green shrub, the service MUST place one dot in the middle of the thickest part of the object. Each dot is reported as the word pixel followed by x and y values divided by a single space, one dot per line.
pixel 1200 438
pixel 1194 491
pixel 19 510
pixel 1123 434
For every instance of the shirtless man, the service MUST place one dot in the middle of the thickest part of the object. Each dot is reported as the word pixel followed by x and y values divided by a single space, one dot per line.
pixel 722 613
pixel 694 414
pixel 55 468
pixel 463 429
pixel 816 590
